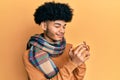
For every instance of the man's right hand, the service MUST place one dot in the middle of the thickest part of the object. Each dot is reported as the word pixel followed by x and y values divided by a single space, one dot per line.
pixel 80 54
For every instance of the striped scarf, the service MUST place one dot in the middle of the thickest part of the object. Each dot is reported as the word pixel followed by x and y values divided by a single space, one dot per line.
pixel 41 51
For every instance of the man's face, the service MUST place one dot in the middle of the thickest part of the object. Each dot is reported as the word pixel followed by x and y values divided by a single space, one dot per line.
pixel 54 30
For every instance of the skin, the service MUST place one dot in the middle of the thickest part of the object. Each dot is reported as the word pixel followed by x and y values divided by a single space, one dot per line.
pixel 55 30
pixel 80 54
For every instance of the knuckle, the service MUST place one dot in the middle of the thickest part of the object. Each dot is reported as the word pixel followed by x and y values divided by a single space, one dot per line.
pixel 75 52
pixel 78 55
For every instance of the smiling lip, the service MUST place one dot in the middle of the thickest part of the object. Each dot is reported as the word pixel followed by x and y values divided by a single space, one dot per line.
pixel 60 35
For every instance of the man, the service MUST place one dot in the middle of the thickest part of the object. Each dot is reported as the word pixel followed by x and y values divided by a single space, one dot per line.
pixel 48 56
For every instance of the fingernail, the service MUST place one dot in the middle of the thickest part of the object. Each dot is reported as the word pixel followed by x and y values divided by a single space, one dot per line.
pixel 84 42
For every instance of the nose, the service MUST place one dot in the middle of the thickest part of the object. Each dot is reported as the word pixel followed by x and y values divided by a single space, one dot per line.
pixel 62 30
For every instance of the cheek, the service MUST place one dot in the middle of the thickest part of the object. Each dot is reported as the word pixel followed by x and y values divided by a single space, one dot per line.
pixel 50 33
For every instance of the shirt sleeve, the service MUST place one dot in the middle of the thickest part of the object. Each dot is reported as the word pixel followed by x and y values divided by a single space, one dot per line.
pixel 66 72
pixel 79 72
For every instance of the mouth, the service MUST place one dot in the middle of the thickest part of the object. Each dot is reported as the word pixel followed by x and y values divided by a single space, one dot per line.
pixel 60 35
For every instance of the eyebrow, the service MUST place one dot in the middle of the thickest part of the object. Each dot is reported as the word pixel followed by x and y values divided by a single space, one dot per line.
pixel 59 24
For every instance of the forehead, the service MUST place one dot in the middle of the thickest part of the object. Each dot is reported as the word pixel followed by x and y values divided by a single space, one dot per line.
pixel 57 22
pixel 60 21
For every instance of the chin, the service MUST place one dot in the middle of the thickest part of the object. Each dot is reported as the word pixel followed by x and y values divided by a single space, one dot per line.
pixel 58 39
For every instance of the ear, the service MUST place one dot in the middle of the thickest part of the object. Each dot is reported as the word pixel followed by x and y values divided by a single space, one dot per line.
pixel 44 25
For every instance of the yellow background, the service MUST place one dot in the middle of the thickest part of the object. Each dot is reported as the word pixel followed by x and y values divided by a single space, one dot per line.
pixel 95 21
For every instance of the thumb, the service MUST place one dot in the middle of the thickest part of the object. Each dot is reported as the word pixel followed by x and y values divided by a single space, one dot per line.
pixel 71 51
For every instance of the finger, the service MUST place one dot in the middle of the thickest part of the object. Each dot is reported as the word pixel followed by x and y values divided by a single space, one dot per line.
pixel 78 49
pixel 87 53
pixel 88 47
pixel 82 51
pixel 84 42
pixel 71 52
pixel 87 57
pixel 83 54
pixel 71 49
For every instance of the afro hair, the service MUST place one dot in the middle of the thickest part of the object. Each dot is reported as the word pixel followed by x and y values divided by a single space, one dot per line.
pixel 51 11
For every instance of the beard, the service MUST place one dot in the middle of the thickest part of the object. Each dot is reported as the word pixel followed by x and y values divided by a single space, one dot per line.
pixel 50 35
